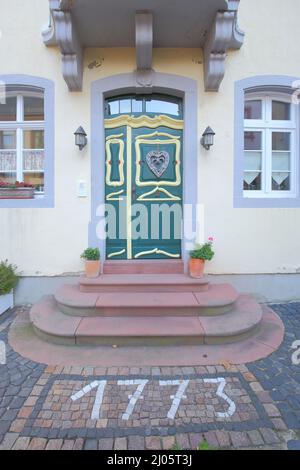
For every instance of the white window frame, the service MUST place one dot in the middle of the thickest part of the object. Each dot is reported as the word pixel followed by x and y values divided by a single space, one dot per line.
pixel 19 126
pixel 266 125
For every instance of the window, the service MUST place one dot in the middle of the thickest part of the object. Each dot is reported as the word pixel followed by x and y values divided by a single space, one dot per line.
pixel 270 138
pixel 27 112
pixel 22 148
pixel 139 104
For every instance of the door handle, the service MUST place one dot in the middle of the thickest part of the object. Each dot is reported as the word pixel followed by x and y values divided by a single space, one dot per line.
pixel 133 192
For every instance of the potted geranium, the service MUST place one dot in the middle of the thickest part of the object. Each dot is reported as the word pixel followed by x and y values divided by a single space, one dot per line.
pixel 198 256
pixel 8 281
pixel 92 262
pixel 17 190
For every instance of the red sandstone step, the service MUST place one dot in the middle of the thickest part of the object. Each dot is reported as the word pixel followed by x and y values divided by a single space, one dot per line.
pixel 218 299
pixel 51 324
pixel 54 326
pixel 246 316
pixel 149 266
pixel 143 283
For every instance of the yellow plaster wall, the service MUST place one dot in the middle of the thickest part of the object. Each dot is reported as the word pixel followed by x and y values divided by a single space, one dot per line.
pixel 49 241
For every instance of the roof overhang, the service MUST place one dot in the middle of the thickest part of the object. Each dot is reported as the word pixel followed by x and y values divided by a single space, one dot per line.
pixel 144 24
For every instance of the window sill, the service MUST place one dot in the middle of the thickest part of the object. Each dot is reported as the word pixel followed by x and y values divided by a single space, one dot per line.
pixel 264 202
pixel 273 195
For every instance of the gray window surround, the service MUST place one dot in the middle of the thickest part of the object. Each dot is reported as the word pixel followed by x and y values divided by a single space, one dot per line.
pixel 48 87
pixel 115 85
pixel 275 83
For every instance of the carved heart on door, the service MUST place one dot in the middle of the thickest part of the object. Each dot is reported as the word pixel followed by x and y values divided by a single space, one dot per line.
pixel 158 162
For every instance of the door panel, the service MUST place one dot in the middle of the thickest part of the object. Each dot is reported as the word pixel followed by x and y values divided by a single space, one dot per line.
pixel 143 184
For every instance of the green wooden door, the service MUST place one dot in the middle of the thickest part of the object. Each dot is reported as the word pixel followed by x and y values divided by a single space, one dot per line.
pixel 143 184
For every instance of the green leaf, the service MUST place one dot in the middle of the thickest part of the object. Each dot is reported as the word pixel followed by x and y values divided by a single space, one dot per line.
pixel 204 445
pixel 8 277
pixel 91 254
pixel 203 252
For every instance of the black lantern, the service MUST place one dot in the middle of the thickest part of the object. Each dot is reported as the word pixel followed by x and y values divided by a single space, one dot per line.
pixel 208 138
pixel 80 138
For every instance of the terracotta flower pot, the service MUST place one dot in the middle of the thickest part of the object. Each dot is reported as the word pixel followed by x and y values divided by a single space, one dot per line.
pixel 196 267
pixel 92 268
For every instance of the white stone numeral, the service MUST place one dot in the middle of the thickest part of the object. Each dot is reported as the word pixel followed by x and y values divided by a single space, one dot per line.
pixel 101 384
pixel 96 411
pixel 137 395
pixel 2 353
pixel 220 392
pixel 296 354
pixel 179 395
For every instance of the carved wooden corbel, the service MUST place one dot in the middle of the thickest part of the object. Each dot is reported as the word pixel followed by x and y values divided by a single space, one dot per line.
pixel 62 33
pixel 224 34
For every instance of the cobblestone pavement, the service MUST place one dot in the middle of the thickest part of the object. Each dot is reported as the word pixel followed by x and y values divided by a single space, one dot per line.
pixel 253 406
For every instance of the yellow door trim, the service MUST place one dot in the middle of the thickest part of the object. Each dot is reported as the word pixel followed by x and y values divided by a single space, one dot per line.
pixel 138 159
pixel 156 251
pixel 144 121
pixel 128 189
pixel 109 162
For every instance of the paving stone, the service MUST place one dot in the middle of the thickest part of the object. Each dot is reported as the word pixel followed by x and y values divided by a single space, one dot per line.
pixel 153 443
pixel 200 370
pixel 37 443
pixel 10 415
pixel 155 371
pixel 183 441
pixel 18 425
pixel 255 437
pixel 264 397
pixel 78 445
pixel 279 424
pixel 25 412
pixel 211 438
pixel 91 444
pixel 21 443
pixel 256 387
pixel 4 426
pixel 54 444
pixel 120 443
pixel 239 439
pixel 290 419
pixel 168 442
pixel 105 444
pixel 249 377
pixel 195 439
pixel 271 410
pixel 293 445
pixel 100 370
pixel 223 438
pixel 269 436
pixel 136 443
pixel 8 441
pixel 68 444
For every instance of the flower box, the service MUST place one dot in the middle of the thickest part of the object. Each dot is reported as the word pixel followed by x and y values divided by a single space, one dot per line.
pixel 16 193
pixel 6 302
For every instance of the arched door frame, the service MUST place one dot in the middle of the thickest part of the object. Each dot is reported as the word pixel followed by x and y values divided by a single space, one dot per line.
pixel 114 85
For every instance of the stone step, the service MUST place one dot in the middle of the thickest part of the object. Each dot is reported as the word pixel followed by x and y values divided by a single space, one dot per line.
pixel 143 283
pixel 54 326
pixel 217 300
pixel 149 266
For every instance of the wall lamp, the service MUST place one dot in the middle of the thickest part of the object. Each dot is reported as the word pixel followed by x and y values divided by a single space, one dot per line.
pixel 207 139
pixel 80 138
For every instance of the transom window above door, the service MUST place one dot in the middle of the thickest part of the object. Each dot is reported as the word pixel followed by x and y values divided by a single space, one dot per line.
pixel 144 104
pixel 22 146
pixel 270 145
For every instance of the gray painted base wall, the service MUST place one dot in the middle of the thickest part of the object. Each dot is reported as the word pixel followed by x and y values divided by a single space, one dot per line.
pixel 265 287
